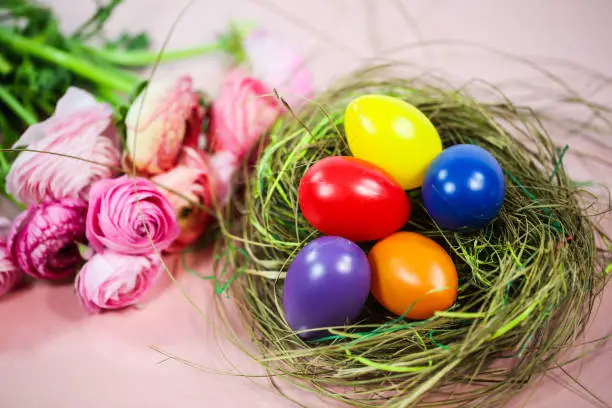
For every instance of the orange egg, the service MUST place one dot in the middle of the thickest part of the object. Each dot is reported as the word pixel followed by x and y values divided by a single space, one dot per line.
pixel 412 272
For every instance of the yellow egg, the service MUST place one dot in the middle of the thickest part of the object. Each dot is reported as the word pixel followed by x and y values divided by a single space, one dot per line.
pixel 393 135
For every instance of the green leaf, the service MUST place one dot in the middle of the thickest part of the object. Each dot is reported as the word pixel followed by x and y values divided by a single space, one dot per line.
pixel 25 75
pixel 128 42
pixel 137 91
pixel 83 250
pixel 52 80
pixel 94 24
pixel 120 114
pixel 5 66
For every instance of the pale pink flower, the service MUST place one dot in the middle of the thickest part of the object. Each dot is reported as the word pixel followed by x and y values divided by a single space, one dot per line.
pixel 191 198
pixel 244 111
pixel 10 274
pixel 110 280
pixel 42 240
pixel 130 215
pixel 165 115
pixel 81 127
pixel 193 189
pixel 279 66
pixel 192 157
pixel 219 168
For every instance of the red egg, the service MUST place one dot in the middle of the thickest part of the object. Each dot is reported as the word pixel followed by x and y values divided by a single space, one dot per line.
pixel 354 199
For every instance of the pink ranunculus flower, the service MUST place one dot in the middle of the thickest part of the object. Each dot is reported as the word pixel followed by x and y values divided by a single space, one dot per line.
pixel 192 157
pixel 10 274
pixel 42 240
pixel 81 128
pixel 110 280
pixel 194 188
pixel 279 66
pixel 129 215
pixel 243 112
pixel 194 193
pixel 166 115
pixel 219 168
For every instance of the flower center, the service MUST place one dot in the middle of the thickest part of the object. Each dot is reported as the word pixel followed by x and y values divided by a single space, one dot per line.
pixel 65 257
pixel 185 212
pixel 141 230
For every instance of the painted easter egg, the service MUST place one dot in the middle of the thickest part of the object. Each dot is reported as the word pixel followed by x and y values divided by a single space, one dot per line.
pixel 412 275
pixel 326 285
pixel 393 135
pixel 464 188
pixel 352 198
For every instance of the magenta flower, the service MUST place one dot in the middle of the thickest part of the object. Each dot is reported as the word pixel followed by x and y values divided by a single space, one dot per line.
pixel 244 111
pixel 114 281
pixel 42 240
pixel 80 127
pixel 278 66
pixel 129 216
pixel 163 117
pixel 10 274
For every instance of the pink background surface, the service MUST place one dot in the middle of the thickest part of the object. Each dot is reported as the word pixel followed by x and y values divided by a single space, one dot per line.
pixel 53 355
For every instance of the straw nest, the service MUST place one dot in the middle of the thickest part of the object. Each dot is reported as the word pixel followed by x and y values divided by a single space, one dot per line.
pixel 528 282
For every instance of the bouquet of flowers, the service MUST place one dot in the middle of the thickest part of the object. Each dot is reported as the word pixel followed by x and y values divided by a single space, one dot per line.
pixel 107 184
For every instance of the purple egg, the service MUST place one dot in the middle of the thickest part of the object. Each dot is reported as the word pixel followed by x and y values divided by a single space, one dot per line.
pixel 327 284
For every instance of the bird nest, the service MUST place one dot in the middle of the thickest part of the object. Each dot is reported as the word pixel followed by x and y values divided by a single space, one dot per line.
pixel 527 282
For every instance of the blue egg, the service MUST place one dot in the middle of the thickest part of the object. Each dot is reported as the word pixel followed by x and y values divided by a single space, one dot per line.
pixel 464 188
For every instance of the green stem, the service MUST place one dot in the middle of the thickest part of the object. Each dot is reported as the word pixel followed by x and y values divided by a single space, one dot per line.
pixel 81 50
pixel 144 58
pixel 110 96
pixel 4 163
pixel 28 117
pixel 78 66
